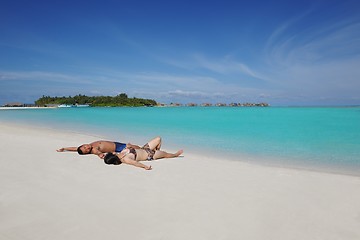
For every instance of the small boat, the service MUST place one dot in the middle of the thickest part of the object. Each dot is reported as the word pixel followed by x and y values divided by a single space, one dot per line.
pixel 82 105
pixel 71 106
pixel 65 106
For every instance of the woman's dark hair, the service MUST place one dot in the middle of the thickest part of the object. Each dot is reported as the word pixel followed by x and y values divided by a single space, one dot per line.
pixel 79 150
pixel 111 158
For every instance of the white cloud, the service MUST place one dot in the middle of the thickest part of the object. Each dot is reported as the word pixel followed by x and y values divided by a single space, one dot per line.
pixel 320 62
pixel 224 65
pixel 42 76
pixel 313 45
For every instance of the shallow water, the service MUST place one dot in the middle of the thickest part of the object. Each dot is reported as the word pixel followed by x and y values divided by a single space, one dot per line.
pixel 327 138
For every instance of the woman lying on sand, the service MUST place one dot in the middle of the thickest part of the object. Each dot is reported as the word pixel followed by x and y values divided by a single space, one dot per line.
pixel 132 156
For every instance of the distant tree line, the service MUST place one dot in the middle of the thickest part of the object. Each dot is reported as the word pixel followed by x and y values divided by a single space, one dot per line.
pixel 97 101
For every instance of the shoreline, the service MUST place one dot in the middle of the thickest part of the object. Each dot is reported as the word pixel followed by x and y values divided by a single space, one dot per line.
pixel 46 194
pixel 231 157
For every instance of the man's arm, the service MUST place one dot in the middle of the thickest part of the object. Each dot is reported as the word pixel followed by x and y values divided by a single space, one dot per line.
pixel 98 152
pixel 70 149
pixel 133 146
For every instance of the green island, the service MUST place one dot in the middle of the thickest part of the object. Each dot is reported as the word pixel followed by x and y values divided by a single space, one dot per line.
pixel 120 100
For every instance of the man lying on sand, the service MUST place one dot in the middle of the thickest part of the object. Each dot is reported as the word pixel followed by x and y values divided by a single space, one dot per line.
pixel 99 148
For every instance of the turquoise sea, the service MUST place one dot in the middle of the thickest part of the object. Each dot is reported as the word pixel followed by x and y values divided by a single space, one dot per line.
pixel 317 138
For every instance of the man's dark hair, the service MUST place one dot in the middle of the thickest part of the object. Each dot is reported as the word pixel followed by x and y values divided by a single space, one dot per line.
pixel 111 158
pixel 81 152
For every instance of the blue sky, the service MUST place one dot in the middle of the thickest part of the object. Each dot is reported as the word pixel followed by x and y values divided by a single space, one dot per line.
pixel 280 52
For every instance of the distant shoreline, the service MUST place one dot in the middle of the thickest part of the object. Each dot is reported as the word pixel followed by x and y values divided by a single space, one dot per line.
pixel 172 106
pixel 15 108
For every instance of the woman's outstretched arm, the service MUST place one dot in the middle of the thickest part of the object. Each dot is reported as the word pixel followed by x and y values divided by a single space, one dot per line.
pixel 130 161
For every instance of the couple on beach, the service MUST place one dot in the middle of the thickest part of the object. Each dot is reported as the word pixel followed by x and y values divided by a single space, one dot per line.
pixel 117 153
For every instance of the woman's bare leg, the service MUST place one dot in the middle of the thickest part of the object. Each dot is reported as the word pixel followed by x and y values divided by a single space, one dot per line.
pixel 155 144
pixel 163 154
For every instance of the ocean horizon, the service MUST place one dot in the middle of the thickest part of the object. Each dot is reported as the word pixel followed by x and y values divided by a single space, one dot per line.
pixel 313 138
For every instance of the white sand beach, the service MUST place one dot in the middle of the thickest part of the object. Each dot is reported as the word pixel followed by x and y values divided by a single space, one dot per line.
pixel 50 195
